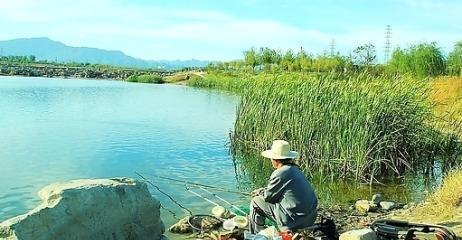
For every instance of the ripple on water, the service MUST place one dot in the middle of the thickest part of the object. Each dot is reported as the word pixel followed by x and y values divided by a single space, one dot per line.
pixel 57 130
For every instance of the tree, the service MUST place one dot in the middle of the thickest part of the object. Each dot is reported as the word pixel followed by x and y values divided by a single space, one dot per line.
pixel 364 55
pixel 400 62
pixel 303 61
pixel 421 60
pixel 426 59
pixel 287 60
pixel 455 60
pixel 250 58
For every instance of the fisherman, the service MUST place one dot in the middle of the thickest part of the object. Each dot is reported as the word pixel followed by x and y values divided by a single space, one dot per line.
pixel 288 199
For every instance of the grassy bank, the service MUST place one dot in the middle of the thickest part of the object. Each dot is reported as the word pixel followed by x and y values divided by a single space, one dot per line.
pixel 359 127
pixel 443 207
pixel 146 78
pixel 226 82
pixel 447 100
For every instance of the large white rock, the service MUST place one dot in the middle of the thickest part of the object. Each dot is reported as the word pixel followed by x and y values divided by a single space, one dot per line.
pixel 119 208
pixel 361 234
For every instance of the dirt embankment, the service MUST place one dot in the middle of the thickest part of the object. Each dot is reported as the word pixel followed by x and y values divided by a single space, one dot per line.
pixel 182 77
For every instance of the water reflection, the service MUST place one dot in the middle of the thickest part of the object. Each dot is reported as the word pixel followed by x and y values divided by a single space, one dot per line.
pixel 56 130
pixel 254 172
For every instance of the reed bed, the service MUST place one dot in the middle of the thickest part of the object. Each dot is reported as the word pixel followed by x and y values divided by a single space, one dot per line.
pixel 360 127
pixel 222 82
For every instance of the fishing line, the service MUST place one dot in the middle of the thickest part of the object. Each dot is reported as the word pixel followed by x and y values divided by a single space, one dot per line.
pixel 170 197
pixel 202 185
pixel 224 200
pixel 197 194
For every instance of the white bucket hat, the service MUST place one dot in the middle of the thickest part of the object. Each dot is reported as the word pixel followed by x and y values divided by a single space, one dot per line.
pixel 280 150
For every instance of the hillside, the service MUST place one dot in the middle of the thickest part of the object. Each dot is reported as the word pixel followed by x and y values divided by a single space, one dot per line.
pixel 50 50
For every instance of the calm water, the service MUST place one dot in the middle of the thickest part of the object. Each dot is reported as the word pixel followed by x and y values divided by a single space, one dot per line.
pixel 61 129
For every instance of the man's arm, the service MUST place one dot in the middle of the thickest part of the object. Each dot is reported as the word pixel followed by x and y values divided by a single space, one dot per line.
pixel 275 189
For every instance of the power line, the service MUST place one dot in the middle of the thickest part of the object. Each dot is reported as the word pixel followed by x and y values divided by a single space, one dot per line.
pixel 387 47
pixel 332 47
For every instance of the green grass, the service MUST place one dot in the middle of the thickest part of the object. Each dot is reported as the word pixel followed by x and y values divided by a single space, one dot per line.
pixel 359 127
pixel 222 82
pixel 146 78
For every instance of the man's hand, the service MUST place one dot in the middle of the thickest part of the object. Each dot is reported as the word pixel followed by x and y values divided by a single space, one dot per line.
pixel 256 192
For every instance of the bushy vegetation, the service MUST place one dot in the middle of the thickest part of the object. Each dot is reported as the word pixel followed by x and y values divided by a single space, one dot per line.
pixel 455 60
pixel 349 116
pixel 359 128
pixel 146 78
pixel 421 60
pixel 418 60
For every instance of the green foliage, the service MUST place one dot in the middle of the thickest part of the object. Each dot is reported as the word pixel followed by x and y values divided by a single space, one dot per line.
pixel 146 78
pixel 421 60
pixel 221 82
pixel 331 64
pixel 364 55
pixel 270 60
pixel 359 127
pixel 455 60
pixel 250 58
pixel 400 61
pixel 18 59
pixel 427 60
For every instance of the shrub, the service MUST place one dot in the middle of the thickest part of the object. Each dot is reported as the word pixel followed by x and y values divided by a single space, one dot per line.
pixel 146 78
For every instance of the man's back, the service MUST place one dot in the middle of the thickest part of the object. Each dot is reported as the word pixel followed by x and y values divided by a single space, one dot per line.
pixel 293 196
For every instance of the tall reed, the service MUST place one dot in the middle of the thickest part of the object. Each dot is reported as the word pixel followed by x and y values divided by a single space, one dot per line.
pixel 350 127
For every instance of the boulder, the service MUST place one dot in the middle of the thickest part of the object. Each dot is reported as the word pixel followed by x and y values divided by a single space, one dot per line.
pixel 361 234
pixel 364 206
pixel 377 198
pixel 388 205
pixel 119 208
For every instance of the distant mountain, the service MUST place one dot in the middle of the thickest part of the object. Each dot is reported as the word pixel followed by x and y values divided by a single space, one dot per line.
pixel 47 49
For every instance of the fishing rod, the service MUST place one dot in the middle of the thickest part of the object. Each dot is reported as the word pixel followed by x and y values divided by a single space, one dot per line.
pixel 206 199
pixel 203 185
pixel 224 200
pixel 170 197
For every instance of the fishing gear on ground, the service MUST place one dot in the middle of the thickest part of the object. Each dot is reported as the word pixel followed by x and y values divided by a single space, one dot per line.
pixel 394 229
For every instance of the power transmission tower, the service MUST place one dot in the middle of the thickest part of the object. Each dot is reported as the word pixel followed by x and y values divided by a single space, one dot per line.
pixel 332 47
pixel 387 48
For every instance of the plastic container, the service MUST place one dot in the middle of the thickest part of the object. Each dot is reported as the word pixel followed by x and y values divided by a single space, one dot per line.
pixel 229 224
pixel 286 235
pixel 240 221
pixel 218 211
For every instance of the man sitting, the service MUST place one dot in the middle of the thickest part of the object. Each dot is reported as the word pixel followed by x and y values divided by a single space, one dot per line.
pixel 288 199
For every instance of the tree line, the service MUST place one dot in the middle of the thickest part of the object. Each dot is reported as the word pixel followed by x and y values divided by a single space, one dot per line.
pixel 419 60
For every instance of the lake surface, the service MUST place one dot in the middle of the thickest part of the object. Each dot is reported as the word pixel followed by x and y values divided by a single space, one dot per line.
pixel 61 129
pixel 55 130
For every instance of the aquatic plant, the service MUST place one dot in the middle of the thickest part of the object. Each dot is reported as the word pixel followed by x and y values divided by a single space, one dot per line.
pixel 223 82
pixel 359 127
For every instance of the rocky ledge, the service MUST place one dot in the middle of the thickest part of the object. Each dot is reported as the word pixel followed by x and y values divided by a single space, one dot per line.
pixel 119 208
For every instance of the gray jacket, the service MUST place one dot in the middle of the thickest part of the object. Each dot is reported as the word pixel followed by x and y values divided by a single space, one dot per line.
pixel 293 197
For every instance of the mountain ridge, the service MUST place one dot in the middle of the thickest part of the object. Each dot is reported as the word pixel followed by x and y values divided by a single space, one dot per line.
pixel 44 48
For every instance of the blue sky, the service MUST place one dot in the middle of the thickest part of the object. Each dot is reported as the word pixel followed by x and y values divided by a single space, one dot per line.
pixel 223 29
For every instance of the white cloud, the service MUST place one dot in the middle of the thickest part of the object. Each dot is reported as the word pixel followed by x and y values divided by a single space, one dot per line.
pixel 155 32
